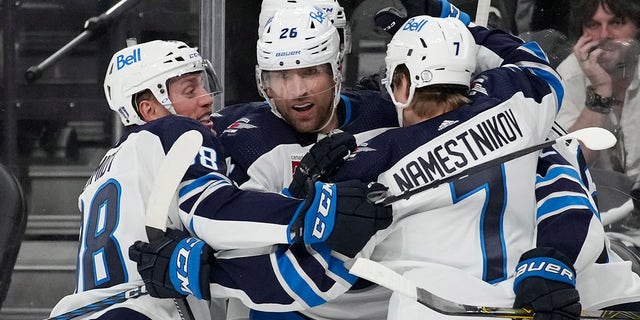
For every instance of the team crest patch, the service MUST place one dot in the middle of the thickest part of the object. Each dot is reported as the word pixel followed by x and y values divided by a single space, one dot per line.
pixel 361 148
pixel 295 162
pixel 242 123
pixel 477 87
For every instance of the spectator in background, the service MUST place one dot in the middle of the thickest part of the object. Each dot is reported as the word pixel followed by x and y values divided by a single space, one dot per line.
pixel 601 80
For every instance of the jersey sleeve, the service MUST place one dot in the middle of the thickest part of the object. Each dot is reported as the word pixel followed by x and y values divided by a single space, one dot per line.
pixel 285 278
pixel 215 210
pixel 497 48
pixel 566 214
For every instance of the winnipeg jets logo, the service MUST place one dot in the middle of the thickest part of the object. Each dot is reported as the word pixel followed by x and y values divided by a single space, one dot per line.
pixel 477 87
pixel 242 123
pixel 361 148
pixel 446 124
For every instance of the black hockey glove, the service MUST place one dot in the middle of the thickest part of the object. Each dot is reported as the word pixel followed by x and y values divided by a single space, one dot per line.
pixel 322 161
pixel 545 283
pixel 370 82
pixel 174 265
pixel 341 215
pixel 392 19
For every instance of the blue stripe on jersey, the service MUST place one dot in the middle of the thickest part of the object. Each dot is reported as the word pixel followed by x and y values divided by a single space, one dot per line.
pixel 562 184
pixel 558 171
pixel 336 266
pixel 197 183
pixel 559 203
pixel 536 50
pixel 347 109
pixel 552 80
pixel 295 281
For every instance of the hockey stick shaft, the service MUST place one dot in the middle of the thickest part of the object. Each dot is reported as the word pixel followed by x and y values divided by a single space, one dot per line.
pixel 172 169
pixel 102 304
pixel 383 276
pixel 605 139
pixel 482 12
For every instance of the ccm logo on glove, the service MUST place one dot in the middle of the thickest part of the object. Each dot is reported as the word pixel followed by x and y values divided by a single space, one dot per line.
pixel 547 268
pixel 186 263
pixel 324 209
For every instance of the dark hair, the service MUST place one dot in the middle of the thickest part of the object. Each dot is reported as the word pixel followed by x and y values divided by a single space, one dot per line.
pixel 583 10
pixel 138 97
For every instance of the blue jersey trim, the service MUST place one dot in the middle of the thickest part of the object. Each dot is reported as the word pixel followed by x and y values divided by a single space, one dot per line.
pixel 553 81
pixel 557 204
pixel 198 183
pixel 295 281
pixel 347 109
pixel 535 49
pixel 336 266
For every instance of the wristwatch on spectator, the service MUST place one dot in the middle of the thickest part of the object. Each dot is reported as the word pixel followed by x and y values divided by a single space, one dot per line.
pixel 597 103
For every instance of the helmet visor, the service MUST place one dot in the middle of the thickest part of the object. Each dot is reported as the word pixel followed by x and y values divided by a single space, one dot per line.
pixel 194 86
pixel 297 84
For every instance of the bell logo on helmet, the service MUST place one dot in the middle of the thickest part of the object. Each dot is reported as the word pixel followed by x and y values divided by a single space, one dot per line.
pixel 125 60
pixel 317 15
pixel 413 25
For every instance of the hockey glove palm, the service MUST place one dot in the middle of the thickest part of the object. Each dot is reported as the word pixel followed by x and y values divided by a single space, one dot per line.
pixel 341 215
pixel 545 283
pixel 391 19
pixel 174 265
pixel 322 161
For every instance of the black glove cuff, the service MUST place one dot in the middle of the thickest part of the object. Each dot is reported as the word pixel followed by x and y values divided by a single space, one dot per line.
pixel 547 263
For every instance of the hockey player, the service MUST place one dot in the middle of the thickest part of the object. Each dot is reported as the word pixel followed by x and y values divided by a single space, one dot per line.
pixel 299 74
pixel 483 239
pixel 160 91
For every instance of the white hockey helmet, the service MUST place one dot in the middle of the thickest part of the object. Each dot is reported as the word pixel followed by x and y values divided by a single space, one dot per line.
pixel 435 50
pixel 331 7
pixel 298 38
pixel 149 66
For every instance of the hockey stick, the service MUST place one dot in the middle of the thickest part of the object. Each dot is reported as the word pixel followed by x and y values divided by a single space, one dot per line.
pixel 383 276
pixel 172 169
pixel 594 138
pixel 482 12
pixel 102 304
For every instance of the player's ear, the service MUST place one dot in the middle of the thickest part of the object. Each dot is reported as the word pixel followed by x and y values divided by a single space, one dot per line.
pixel 150 110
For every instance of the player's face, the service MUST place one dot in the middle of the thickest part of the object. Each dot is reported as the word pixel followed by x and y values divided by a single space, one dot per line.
pixel 304 96
pixel 604 25
pixel 191 98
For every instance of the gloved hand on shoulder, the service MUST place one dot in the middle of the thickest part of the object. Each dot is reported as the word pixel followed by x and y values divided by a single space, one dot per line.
pixel 371 82
pixel 391 19
pixel 174 265
pixel 545 282
pixel 340 214
pixel 321 162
